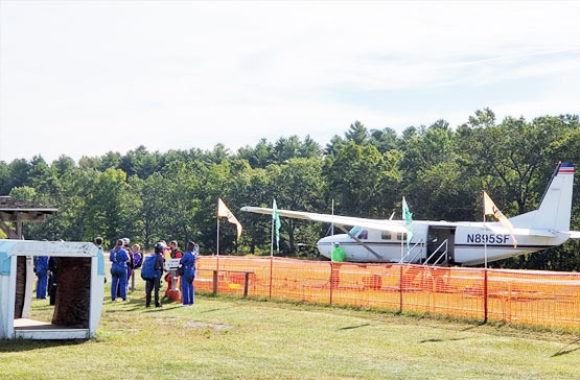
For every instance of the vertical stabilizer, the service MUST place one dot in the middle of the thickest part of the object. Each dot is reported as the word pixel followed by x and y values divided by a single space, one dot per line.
pixel 556 204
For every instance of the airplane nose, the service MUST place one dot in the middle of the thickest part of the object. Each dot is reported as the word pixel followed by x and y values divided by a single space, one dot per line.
pixel 325 246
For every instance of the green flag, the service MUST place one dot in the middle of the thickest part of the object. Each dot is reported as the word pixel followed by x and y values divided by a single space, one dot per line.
pixel 276 224
pixel 408 221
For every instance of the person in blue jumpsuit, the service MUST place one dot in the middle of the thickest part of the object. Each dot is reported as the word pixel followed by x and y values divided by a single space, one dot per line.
pixel 119 258
pixel 187 262
pixel 41 270
pixel 155 284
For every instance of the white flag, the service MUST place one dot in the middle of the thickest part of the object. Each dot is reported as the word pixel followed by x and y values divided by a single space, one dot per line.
pixel 224 212
pixel 489 208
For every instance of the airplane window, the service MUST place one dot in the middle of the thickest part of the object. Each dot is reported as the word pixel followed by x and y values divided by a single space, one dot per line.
pixel 354 231
pixel 363 235
pixel 386 235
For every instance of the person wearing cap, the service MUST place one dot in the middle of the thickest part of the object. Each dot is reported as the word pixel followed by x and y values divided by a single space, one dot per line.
pixel 187 263
pixel 119 257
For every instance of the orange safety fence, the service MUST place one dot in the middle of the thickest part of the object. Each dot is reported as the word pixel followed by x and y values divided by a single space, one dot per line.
pixel 527 297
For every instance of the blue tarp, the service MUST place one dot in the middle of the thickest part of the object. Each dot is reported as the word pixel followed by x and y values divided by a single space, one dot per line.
pixel 5 247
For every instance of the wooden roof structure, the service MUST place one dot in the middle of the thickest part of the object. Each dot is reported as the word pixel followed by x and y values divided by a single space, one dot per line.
pixel 16 212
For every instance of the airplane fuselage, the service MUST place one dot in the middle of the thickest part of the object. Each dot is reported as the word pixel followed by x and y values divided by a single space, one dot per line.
pixel 465 243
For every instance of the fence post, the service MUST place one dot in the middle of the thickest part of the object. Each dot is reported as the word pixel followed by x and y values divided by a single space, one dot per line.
pixel 246 282
pixel 401 288
pixel 485 296
pixel 331 280
pixel 215 282
pixel 271 274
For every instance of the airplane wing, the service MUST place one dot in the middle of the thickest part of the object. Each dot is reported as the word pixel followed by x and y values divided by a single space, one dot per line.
pixel 373 224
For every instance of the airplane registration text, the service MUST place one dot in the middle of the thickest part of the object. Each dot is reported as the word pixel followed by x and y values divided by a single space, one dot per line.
pixel 489 239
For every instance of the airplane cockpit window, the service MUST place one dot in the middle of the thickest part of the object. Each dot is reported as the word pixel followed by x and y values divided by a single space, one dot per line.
pixel 354 231
pixel 359 233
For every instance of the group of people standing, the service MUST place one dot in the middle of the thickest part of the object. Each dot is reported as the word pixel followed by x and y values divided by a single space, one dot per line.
pixel 125 261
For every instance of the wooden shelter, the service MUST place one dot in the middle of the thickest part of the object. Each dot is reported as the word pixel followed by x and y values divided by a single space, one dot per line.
pixel 15 212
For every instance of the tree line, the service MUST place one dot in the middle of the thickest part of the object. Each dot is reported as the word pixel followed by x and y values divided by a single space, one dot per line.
pixel 439 169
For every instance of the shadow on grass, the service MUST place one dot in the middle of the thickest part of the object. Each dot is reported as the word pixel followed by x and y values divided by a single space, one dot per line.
pixel 21 345
pixel 162 308
pixel 216 309
pixel 476 325
pixel 353 327
pixel 435 340
pixel 565 351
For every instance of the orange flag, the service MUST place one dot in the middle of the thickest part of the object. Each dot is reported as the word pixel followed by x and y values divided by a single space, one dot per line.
pixel 224 212
pixel 489 208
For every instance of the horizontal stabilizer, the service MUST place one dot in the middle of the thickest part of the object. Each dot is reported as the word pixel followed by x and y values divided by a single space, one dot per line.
pixel 373 224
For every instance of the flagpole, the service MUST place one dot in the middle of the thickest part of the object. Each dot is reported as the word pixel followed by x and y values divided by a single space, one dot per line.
pixel 272 237
pixel 402 235
pixel 272 255
pixel 218 240
pixel 332 224
pixel 484 232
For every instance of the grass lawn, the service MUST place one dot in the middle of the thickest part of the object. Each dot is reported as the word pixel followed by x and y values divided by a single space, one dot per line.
pixel 227 338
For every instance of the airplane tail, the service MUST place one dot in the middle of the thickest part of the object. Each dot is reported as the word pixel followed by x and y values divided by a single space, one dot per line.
pixel 556 204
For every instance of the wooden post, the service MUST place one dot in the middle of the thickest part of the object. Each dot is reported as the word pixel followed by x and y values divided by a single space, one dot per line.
pixel 331 280
pixel 271 274
pixel 215 282
pixel 485 296
pixel 246 283
pixel 401 288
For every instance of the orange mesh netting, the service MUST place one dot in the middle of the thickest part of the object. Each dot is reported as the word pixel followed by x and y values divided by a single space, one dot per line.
pixel 529 297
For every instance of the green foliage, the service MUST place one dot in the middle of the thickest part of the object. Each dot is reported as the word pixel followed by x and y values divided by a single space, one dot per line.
pixel 23 193
pixel 440 170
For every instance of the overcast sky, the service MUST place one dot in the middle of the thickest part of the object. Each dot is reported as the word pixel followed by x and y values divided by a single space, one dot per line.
pixel 86 77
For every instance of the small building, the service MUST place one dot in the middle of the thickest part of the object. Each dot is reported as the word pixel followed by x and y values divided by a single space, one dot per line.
pixel 79 290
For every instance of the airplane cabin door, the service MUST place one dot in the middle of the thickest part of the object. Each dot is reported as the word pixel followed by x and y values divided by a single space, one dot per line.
pixel 441 244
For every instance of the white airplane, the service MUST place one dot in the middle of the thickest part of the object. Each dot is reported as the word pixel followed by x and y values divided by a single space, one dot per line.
pixel 457 243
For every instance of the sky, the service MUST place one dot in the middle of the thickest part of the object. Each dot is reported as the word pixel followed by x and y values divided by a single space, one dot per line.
pixel 86 77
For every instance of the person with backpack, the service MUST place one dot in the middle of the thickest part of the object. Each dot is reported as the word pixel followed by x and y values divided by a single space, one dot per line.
pixel 187 265
pixel 119 257
pixel 151 272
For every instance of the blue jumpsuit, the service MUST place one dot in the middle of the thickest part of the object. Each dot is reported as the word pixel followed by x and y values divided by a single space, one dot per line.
pixel 41 270
pixel 119 257
pixel 188 264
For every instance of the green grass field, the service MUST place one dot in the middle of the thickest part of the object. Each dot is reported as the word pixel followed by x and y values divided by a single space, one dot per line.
pixel 227 338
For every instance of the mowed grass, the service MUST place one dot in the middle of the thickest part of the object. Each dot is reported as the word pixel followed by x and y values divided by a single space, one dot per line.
pixel 230 338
